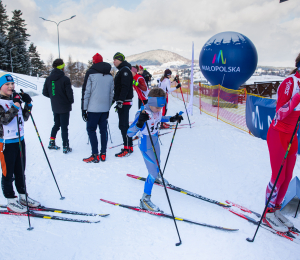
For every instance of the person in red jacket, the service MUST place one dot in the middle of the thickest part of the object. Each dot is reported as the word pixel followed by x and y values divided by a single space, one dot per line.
pixel 140 86
pixel 278 138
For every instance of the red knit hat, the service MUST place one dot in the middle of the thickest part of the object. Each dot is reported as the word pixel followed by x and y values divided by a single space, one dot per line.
pixel 97 58
pixel 141 67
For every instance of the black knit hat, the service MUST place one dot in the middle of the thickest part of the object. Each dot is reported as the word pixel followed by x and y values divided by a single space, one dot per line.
pixel 167 73
pixel 57 62
pixel 119 56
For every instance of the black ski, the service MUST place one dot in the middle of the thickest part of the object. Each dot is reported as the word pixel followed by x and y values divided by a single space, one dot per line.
pixel 161 214
pixel 135 138
pixel 172 187
pixel 43 208
pixel 38 215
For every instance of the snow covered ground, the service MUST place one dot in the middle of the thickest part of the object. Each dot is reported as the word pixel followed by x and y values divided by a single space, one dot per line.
pixel 212 159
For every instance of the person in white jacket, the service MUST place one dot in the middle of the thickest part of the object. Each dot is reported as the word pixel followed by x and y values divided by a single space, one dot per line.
pixel 165 85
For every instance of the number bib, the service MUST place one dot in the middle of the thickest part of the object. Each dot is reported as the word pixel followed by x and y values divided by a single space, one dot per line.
pixel 10 131
pixel 153 122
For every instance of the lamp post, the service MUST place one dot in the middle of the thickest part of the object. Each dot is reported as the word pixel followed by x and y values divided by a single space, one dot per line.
pixel 12 69
pixel 57 24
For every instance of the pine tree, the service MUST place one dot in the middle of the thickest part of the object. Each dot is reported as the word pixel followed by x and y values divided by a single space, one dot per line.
pixel 3 19
pixel 49 65
pixel 37 66
pixel 71 69
pixel 18 37
pixel 4 57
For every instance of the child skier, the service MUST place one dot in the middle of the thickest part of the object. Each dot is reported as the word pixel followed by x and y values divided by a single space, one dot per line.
pixel 152 116
pixel 10 109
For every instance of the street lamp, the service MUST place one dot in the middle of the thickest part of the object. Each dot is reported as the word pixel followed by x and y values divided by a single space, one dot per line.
pixel 12 69
pixel 57 24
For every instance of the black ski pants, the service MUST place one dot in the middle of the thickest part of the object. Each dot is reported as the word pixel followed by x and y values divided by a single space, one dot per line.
pixel 12 168
pixel 61 120
pixel 123 114
pixel 94 120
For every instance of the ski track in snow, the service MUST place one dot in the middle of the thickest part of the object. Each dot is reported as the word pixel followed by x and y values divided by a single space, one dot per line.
pixel 212 159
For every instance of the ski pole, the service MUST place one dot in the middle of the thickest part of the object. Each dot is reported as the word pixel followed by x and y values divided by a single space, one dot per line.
pixel 179 243
pixel 61 197
pixel 23 172
pixel 297 210
pixel 109 132
pixel 180 113
pixel 185 107
pixel 270 196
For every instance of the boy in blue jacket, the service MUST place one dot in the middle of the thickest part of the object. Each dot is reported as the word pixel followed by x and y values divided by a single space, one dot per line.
pixel 151 114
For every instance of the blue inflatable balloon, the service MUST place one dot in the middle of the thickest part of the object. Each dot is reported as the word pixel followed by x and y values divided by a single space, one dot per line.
pixel 228 59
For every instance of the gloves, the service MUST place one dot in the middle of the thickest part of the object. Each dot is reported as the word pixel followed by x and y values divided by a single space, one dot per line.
pixel 119 105
pixel 84 115
pixel 25 97
pixel 17 98
pixel 142 119
pixel 178 86
pixel 177 118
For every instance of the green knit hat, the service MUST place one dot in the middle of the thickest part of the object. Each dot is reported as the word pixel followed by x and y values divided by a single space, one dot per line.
pixel 119 56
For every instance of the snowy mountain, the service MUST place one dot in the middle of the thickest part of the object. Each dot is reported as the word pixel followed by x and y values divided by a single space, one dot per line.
pixel 157 57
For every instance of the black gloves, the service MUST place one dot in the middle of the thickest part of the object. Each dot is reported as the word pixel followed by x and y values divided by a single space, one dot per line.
pixel 177 118
pixel 142 119
pixel 25 97
pixel 17 98
pixel 178 86
pixel 84 115
pixel 119 104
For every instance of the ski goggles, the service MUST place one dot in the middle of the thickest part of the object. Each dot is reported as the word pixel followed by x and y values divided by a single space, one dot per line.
pixel 6 78
pixel 156 101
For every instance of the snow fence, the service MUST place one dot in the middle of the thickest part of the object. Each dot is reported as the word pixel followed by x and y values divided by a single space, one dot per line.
pixel 227 105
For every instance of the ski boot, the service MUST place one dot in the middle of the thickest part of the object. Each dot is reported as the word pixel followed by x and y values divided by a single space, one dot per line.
pixel 103 157
pixel 15 206
pixel 271 221
pixel 123 153
pixel 164 126
pixel 146 203
pixel 130 149
pixel 67 149
pixel 52 145
pixel 93 158
pixel 159 180
pixel 31 202
pixel 282 218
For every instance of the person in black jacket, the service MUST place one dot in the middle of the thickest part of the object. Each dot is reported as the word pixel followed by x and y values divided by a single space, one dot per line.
pixel 58 88
pixel 123 94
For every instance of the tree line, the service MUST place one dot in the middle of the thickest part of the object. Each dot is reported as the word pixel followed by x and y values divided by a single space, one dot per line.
pixel 16 55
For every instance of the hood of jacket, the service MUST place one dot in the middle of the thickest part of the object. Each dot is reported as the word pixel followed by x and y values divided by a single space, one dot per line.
pixel 123 64
pixel 56 74
pixel 101 67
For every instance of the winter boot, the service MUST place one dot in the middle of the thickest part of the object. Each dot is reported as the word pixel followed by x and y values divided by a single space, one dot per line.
pixel 15 206
pixel 93 158
pixel 103 157
pixel 130 149
pixel 159 180
pixel 52 145
pixel 146 203
pixel 164 126
pixel 271 221
pixel 123 153
pixel 67 149
pixel 31 202
pixel 283 219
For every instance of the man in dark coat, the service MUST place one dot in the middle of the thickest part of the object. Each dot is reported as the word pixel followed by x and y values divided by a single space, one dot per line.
pixel 58 88
pixel 123 94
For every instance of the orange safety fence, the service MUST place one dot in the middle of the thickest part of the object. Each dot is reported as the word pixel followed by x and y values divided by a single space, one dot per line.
pixel 224 104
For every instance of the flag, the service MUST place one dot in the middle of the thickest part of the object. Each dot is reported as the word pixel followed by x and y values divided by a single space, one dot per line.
pixel 190 105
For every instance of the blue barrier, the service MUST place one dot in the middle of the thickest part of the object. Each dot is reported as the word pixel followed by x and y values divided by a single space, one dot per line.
pixel 23 83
